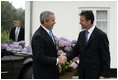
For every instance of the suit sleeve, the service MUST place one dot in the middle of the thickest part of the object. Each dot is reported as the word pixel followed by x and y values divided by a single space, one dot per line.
pixel 74 52
pixel 23 34
pixel 39 48
pixel 105 56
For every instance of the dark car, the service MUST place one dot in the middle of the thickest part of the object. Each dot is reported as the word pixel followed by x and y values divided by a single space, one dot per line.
pixel 16 65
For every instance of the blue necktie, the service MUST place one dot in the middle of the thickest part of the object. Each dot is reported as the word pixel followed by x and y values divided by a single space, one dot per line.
pixel 51 35
pixel 86 36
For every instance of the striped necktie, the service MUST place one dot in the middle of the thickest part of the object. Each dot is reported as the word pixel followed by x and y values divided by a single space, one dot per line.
pixel 86 36
pixel 51 35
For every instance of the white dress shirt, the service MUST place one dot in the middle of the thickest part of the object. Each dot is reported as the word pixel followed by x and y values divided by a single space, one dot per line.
pixel 90 31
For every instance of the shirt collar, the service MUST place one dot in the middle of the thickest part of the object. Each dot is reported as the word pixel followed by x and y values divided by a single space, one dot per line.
pixel 91 29
pixel 45 29
pixel 17 27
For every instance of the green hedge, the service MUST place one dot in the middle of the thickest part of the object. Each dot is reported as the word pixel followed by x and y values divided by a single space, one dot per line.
pixel 5 37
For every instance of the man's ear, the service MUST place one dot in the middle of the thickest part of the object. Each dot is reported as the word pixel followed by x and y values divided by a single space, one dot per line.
pixel 45 22
pixel 89 21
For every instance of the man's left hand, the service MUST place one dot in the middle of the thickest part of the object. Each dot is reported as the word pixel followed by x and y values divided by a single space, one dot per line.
pixel 101 77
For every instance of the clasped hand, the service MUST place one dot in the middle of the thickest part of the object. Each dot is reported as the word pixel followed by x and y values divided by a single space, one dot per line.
pixel 62 59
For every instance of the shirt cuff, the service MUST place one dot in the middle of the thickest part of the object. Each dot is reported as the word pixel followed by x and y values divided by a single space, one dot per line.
pixel 57 61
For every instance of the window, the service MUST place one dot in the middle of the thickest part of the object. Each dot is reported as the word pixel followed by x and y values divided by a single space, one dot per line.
pixel 102 19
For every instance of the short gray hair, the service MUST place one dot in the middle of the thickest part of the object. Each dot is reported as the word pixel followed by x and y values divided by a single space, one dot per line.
pixel 45 15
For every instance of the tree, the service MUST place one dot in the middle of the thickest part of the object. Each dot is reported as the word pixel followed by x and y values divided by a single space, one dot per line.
pixel 6 14
pixel 20 14
pixel 9 14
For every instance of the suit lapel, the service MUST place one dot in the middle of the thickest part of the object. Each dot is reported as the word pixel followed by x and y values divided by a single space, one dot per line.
pixel 14 32
pixel 48 37
pixel 91 37
pixel 82 39
pixel 50 40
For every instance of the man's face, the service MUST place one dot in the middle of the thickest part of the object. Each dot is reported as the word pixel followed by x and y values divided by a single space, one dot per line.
pixel 84 23
pixel 50 23
pixel 17 24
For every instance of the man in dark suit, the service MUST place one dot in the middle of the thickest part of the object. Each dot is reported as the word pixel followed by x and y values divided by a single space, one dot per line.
pixel 45 61
pixel 17 33
pixel 93 48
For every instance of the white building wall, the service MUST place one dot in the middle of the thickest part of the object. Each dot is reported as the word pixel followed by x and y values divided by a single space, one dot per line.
pixel 67 20
pixel 27 22
pixel 67 24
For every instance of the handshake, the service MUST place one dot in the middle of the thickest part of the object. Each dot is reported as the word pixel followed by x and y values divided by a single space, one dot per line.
pixel 62 59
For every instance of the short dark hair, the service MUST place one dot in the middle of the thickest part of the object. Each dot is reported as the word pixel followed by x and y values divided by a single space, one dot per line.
pixel 88 15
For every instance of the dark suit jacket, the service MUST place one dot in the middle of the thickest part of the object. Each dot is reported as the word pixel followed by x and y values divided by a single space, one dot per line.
pixel 94 57
pixel 20 36
pixel 44 56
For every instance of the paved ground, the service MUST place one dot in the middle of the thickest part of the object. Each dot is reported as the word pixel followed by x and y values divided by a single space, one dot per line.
pixel 76 77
